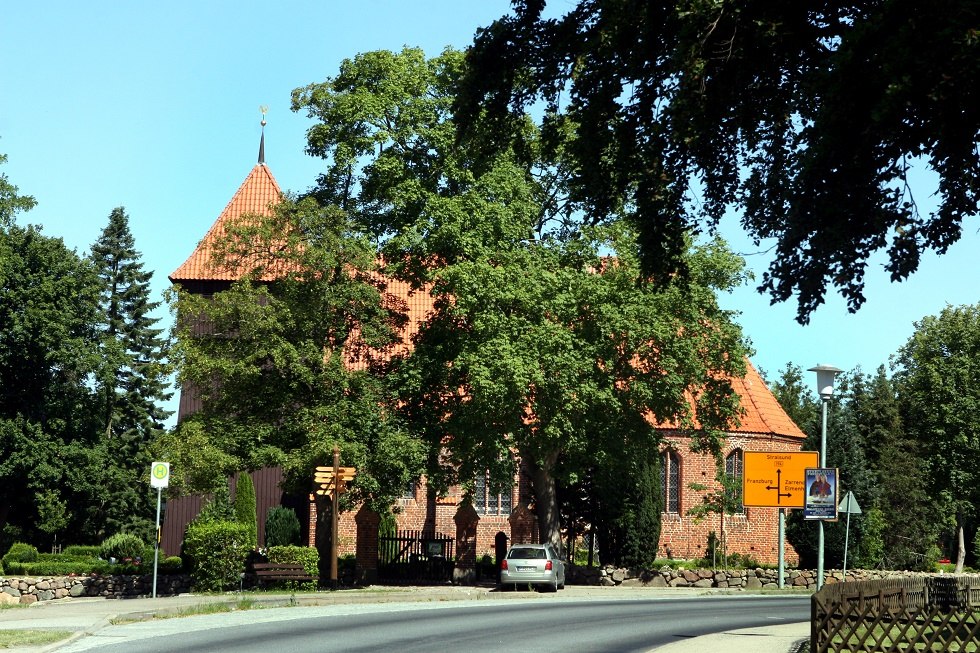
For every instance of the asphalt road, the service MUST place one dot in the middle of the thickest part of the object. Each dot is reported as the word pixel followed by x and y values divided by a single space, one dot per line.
pixel 567 625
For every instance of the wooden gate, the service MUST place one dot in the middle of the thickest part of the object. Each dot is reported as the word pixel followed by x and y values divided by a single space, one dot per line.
pixel 412 557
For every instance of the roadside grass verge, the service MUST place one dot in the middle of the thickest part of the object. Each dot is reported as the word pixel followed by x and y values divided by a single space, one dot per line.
pixel 12 638
pixel 215 607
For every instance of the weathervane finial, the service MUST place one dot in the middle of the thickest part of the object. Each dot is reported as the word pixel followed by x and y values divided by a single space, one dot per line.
pixel 264 109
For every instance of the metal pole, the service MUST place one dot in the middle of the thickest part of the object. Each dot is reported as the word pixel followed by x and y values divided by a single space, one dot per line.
pixel 156 547
pixel 823 463
pixel 335 506
pixel 782 540
pixel 847 534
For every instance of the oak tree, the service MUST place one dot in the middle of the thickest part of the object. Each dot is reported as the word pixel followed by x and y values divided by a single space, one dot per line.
pixel 809 118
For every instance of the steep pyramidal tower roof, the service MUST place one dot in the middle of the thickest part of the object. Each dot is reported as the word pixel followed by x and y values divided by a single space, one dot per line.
pixel 257 194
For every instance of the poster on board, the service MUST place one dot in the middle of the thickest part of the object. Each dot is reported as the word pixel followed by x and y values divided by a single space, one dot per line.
pixel 821 493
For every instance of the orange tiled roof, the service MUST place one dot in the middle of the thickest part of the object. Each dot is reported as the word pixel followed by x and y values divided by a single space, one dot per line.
pixel 257 193
pixel 762 413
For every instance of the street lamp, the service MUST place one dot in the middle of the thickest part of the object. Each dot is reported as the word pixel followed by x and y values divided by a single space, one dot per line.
pixel 825 387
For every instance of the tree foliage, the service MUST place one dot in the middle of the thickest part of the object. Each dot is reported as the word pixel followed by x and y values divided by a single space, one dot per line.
pixel 48 357
pixel 546 339
pixel 133 381
pixel 878 462
pixel 286 369
pixel 245 508
pixel 808 117
pixel 938 377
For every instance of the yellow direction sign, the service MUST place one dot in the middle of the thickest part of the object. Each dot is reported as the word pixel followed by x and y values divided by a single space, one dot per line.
pixel 776 479
pixel 326 480
pixel 325 474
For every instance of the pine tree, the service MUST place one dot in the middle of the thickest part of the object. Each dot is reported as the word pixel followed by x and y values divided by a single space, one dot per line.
pixel 132 382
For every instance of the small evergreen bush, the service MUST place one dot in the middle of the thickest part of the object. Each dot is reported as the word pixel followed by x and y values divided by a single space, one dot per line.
pixel 19 552
pixel 281 527
pixel 217 551
pixel 123 546
pixel 170 565
pixel 245 506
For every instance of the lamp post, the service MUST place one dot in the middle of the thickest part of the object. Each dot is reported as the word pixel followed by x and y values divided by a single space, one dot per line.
pixel 825 387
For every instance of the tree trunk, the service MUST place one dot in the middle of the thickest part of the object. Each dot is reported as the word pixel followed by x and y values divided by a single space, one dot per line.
pixel 961 552
pixel 546 501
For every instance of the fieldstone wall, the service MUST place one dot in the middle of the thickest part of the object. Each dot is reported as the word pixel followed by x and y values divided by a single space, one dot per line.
pixel 28 589
pixel 734 578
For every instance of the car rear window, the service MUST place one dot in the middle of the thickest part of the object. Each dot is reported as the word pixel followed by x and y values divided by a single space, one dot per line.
pixel 527 554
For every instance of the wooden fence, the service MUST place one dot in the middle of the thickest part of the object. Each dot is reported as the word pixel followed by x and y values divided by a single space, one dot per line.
pixel 927 613
pixel 414 557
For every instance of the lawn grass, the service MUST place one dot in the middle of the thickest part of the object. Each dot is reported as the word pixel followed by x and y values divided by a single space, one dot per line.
pixel 12 638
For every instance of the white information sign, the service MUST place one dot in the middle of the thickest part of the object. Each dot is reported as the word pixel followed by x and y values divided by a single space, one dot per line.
pixel 159 474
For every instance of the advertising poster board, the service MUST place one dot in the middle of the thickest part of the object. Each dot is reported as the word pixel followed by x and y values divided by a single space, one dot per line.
pixel 821 493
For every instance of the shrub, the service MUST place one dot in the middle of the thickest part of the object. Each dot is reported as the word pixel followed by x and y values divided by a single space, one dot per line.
pixel 304 555
pixel 170 565
pixel 281 527
pixel 217 551
pixel 122 546
pixel 245 506
pixel 62 567
pixel 219 508
pixel 20 552
pixel 82 551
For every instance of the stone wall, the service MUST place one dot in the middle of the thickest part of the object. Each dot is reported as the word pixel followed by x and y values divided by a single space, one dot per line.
pixel 735 578
pixel 30 589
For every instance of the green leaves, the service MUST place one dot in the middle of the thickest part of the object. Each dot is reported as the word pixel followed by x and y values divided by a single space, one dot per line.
pixel 808 118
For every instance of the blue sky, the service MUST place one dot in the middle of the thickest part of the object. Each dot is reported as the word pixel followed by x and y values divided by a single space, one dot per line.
pixel 155 107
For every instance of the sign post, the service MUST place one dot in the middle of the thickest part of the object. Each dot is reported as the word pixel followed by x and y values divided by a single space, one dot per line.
pixel 850 506
pixel 159 478
pixel 332 481
pixel 775 479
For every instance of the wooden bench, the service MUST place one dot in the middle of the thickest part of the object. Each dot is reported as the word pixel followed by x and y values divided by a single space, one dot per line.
pixel 270 572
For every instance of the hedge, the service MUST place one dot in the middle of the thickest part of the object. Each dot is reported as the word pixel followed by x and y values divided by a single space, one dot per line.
pixel 217 551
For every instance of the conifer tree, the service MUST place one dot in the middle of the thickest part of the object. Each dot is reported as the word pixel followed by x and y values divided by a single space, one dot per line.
pixel 132 382
pixel 245 506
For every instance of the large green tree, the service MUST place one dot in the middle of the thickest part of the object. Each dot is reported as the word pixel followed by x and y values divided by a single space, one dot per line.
pixel 48 359
pixel 900 492
pixel 546 340
pixel 878 462
pixel 11 202
pixel 285 360
pixel 808 117
pixel 938 378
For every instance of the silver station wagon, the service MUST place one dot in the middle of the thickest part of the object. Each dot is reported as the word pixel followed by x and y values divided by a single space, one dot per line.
pixel 532 564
